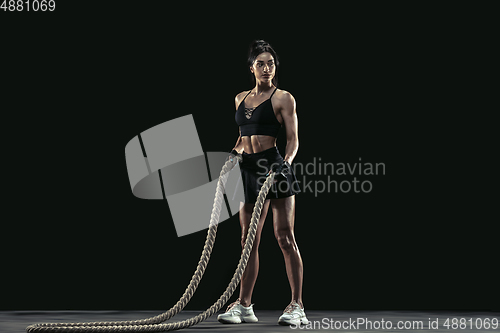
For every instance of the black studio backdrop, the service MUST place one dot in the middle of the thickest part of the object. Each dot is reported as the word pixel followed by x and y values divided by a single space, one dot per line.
pixel 94 81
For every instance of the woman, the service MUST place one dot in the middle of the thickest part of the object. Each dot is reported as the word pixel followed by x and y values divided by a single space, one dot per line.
pixel 260 113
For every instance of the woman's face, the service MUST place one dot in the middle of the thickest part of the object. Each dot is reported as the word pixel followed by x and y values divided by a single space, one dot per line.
pixel 263 67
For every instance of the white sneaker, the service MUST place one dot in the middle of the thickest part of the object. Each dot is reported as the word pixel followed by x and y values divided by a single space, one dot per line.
pixel 237 313
pixel 293 315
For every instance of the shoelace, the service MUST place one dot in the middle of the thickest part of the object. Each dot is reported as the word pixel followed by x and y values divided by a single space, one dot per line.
pixel 291 307
pixel 233 305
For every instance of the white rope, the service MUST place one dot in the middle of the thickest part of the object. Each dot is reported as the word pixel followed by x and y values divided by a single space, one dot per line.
pixel 153 324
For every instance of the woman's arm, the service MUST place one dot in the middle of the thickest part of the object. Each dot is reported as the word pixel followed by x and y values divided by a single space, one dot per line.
pixel 289 115
pixel 239 143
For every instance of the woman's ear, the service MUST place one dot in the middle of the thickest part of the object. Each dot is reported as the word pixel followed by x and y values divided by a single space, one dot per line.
pixel 251 69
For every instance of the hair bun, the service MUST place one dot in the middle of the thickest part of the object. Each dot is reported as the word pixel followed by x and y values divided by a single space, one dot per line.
pixel 259 43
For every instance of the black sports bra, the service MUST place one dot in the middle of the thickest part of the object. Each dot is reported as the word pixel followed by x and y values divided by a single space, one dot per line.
pixel 260 120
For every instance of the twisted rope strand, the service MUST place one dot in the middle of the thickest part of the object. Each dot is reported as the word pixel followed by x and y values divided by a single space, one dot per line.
pixel 153 324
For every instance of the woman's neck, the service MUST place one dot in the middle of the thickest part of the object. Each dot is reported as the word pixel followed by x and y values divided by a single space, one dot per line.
pixel 262 87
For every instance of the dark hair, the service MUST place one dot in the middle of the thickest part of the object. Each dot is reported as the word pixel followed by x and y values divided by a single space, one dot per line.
pixel 260 46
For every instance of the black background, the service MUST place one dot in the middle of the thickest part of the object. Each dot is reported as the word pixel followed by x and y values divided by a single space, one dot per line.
pixel 372 83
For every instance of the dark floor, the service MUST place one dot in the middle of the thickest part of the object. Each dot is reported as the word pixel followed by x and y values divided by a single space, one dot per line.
pixel 17 321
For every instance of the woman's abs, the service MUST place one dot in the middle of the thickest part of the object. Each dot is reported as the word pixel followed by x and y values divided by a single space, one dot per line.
pixel 257 143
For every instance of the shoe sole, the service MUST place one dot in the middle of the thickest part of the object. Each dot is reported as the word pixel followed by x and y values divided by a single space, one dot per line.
pixel 298 321
pixel 242 320
pixel 225 321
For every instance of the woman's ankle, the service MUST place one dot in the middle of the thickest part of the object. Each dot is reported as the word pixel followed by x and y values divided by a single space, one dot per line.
pixel 244 302
pixel 299 302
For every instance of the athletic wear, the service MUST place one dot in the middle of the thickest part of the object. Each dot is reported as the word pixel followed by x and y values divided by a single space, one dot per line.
pixel 254 168
pixel 237 313
pixel 259 120
pixel 293 315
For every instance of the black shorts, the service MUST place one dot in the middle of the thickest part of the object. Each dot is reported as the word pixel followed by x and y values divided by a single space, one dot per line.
pixel 254 168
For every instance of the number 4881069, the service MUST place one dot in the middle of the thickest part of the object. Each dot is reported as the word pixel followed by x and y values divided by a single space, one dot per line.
pixel 28 5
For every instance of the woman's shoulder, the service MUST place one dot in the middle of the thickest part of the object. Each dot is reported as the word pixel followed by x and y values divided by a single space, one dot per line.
pixel 284 96
pixel 240 97
pixel 283 93
pixel 242 94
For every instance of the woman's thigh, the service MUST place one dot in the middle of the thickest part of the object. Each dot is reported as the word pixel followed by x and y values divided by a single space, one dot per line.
pixel 283 217
pixel 246 211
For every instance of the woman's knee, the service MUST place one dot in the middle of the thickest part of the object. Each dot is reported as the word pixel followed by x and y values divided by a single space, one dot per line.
pixel 256 241
pixel 245 221
pixel 286 240
pixel 243 239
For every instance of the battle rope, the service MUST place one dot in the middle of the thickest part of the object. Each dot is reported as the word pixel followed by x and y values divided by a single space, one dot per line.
pixel 153 324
